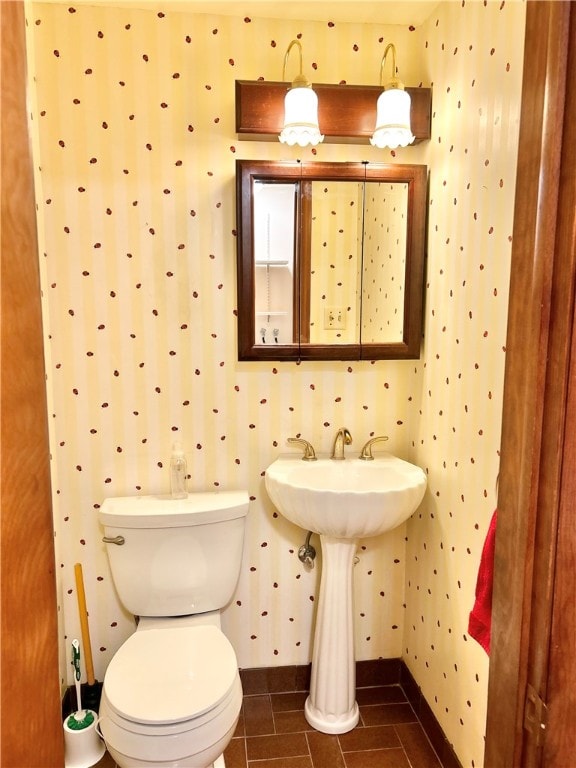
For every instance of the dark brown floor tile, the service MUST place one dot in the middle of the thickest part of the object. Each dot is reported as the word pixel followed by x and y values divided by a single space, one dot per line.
pixel 387 714
pixel 417 746
pixel 235 754
pixel 285 702
pixel 381 694
pixel 282 745
pixel 290 722
pixel 258 719
pixel 377 758
pixel 284 762
pixel 374 737
pixel 325 750
pixel 240 724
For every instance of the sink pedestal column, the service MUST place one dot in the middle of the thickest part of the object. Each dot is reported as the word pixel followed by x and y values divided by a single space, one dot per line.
pixel 331 706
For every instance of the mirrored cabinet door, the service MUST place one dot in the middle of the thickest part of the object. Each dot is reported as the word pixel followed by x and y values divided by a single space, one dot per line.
pixel 335 273
pixel 384 248
pixel 330 260
pixel 275 226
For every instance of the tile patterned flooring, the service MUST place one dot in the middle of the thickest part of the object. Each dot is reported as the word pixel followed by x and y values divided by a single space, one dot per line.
pixel 273 733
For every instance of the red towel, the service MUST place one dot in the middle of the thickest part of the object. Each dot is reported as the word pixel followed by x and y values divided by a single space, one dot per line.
pixel 481 615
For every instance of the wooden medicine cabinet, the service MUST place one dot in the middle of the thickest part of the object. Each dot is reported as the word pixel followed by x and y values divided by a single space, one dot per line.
pixel 330 260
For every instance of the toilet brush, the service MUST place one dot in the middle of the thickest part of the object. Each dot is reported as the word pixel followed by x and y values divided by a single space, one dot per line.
pixel 82 718
pixel 92 689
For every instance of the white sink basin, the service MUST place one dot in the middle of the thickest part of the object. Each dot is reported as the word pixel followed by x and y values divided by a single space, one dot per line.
pixel 349 499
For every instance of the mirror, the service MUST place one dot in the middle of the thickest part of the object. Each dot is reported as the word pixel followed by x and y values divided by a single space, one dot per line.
pixel 330 260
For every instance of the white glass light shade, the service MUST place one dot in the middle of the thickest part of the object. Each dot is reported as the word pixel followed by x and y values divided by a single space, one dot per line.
pixel 301 118
pixel 392 120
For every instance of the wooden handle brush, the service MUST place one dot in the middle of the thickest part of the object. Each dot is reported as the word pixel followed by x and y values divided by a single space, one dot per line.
pixel 84 628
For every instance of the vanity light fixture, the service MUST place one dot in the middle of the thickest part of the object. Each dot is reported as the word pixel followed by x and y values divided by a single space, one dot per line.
pixel 300 109
pixel 392 110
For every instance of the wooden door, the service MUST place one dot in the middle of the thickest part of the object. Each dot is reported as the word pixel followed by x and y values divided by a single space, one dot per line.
pixel 532 666
pixel 32 734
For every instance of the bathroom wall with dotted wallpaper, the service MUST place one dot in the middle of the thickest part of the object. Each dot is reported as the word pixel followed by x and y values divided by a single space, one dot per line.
pixel 474 53
pixel 385 245
pixel 336 242
pixel 132 119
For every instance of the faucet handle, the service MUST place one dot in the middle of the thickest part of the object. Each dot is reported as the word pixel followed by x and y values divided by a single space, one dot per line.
pixel 309 454
pixel 366 452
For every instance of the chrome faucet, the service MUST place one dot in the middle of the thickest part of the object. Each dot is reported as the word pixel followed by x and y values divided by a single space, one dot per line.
pixel 343 437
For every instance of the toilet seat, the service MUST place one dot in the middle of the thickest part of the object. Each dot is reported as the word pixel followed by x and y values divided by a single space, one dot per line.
pixel 171 696
pixel 193 743
pixel 170 675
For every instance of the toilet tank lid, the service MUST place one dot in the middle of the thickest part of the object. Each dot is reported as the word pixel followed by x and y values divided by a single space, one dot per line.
pixel 166 512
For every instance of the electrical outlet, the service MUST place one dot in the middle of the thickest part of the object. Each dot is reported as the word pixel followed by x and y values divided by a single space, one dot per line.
pixel 334 319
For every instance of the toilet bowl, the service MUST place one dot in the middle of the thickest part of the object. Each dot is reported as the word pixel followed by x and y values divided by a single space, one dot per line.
pixel 171 696
pixel 172 693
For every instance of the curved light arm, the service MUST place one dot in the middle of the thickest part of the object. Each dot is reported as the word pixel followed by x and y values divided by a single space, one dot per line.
pixel 394 82
pixel 300 81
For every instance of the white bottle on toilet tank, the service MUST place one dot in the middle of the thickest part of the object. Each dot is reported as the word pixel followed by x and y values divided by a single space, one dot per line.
pixel 178 473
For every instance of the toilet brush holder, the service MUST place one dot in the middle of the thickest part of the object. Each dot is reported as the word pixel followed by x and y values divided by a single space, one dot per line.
pixel 83 747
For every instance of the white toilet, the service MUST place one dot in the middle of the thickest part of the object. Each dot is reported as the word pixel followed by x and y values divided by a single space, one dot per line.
pixel 172 693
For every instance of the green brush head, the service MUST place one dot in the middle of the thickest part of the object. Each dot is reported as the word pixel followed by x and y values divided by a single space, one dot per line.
pixel 79 725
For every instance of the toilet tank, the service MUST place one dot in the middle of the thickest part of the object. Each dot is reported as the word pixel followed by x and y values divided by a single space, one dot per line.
pixel 175 557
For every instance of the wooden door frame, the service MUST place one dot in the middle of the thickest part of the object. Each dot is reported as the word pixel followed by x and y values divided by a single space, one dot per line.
pixel 535 443
pixel 32 733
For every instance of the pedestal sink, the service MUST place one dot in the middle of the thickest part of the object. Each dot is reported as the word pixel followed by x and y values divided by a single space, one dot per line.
pixel 343 501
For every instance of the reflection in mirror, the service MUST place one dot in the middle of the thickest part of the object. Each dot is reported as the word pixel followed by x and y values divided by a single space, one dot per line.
pixel 330 260
pixel 274 207
pixel 336 211
pixel 384 261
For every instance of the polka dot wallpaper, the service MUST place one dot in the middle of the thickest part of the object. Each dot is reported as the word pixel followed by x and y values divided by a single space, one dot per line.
pixel 385 227
pixel 474 53
pixel 132 120
pixel 335 260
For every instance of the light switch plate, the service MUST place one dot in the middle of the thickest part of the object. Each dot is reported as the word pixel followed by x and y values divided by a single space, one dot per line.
pixel 334 319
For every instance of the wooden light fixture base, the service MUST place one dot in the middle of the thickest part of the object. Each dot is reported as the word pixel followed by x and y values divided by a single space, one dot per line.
pixel 346 113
